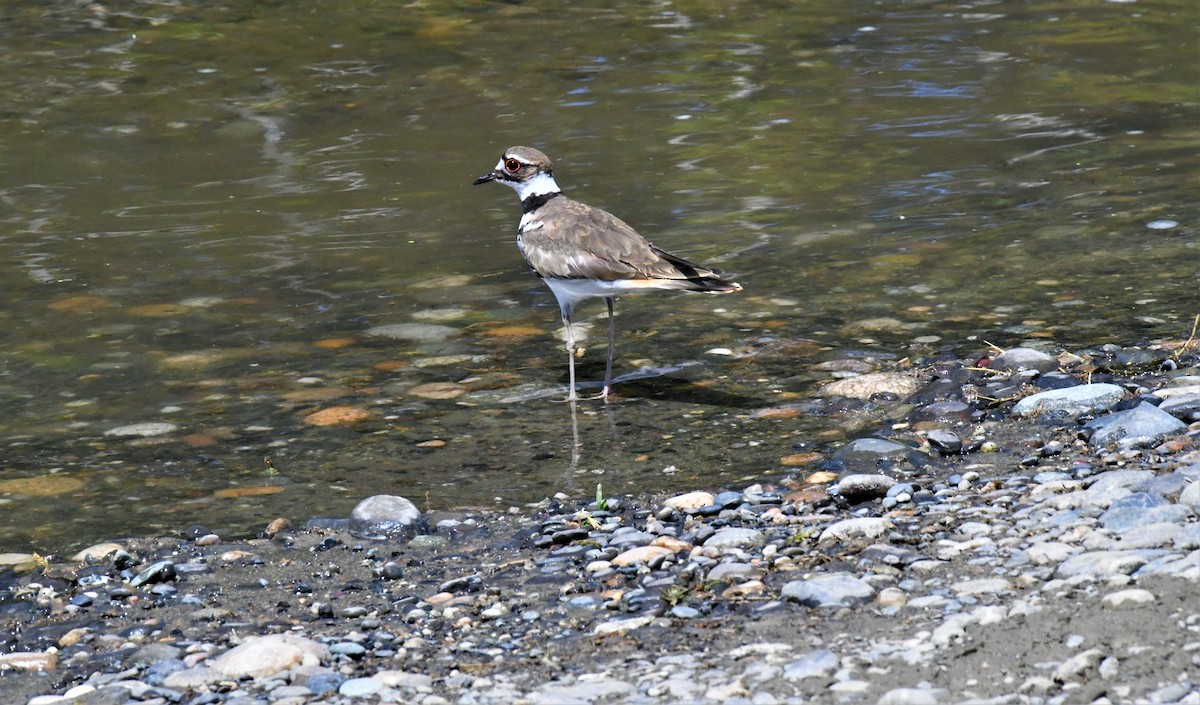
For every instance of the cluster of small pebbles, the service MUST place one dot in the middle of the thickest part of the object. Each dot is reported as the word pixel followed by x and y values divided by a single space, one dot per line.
pixel 1023 529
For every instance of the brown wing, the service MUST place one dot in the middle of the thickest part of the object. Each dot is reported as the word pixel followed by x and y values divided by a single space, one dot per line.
pixel 598 245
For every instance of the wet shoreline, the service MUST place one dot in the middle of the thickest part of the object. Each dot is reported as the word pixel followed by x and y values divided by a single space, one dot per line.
pixel 1017 523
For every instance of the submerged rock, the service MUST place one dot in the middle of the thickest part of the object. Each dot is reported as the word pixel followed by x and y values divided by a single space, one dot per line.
pixel 1016 359
pixel 383 516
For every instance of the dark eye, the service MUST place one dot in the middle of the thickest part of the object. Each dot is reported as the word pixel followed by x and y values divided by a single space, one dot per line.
pixel 512 165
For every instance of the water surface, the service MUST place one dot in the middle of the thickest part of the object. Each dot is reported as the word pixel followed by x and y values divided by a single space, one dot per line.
pixel 206 208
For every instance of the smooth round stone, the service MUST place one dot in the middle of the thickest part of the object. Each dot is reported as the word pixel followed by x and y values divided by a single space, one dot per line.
pixel 1016 359
pixel 685 612
pixel 360 688
pixel 629 537
pixel 584 602
pixel 1163 224
pixel 830 590
pixel 943 411
pixel 348 648
pixel 735 537
pixel 866 455
pixel 945 442
pixel 384 516
pixel 726 572
pixel 1129 598
pixel 728 499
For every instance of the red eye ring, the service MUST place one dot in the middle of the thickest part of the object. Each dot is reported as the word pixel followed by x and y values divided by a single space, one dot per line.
pixel 512 165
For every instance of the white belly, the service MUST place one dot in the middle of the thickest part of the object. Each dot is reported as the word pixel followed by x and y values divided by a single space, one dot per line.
pixel 571 291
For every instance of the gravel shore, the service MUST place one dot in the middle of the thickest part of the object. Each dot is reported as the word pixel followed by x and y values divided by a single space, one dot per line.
pixel 1021 528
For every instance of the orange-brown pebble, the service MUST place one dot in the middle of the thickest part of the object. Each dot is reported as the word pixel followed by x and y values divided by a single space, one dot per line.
pixel 337 416
pixel 797 459
pixel 257 491
pixel 334 343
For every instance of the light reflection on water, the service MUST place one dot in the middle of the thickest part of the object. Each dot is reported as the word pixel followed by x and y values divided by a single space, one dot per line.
pixel 200 222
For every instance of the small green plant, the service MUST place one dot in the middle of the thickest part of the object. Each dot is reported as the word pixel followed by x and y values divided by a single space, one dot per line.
pixel 674 595
pixel 601 502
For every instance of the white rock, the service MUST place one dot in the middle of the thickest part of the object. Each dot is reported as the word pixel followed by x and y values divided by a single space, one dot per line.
pixel 983 586
pixel 143 430
pixel 1078 665
pixel 1129 598
pixel 690 500
pixel 1083 398
pixel 1046 552
pixel 734 537
pixel 913 696
pixel 267 655
pixel 403 679
pixel 620 626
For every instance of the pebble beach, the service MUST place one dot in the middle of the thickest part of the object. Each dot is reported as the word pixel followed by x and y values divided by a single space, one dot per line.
pixel 1022 526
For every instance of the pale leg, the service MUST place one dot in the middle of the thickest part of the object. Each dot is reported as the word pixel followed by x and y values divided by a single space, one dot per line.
pixel 566 317
pixel 612 344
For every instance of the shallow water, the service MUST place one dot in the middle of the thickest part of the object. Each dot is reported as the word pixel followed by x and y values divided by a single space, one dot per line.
pixel 206 208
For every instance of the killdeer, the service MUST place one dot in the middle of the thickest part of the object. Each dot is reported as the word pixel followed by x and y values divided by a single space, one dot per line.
pixel 583 252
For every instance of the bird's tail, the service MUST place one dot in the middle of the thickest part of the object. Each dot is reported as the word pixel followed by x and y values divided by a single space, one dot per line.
pixel 713 285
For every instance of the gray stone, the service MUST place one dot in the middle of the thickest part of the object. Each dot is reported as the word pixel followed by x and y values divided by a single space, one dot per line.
pixel 348 648
pixel 817 664
pixel 734 537
pixel 733 572
pixel 1142 509
pixel 384 516
pixel 1086 398
pixel 945 442
pixel 1113 485
pixel 153 653
pixel 872 455
pixel 360 688
pixel 1017 359
pixel 627 538
pixel 1185 407
pixel 1101 564
pixel 404 680
pixel 1142 425
pixel 829 590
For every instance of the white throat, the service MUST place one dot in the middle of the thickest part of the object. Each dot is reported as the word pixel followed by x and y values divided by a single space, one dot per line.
pixel 537 186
